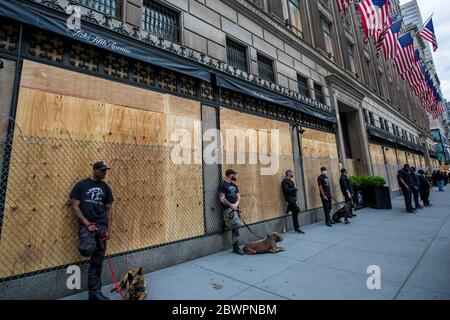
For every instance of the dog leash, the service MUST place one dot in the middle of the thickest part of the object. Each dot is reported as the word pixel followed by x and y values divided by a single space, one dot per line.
pixel 239 212
pixel 108 258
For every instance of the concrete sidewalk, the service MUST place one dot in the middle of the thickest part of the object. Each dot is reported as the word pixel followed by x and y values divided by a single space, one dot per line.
pixel 412 250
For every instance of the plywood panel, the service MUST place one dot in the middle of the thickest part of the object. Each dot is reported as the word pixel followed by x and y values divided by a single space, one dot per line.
pixel 261 194
pixel 319 149
pixel 392 168
pixel 57 139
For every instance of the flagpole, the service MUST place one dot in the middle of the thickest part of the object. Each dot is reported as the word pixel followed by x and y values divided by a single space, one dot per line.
pixel 423 26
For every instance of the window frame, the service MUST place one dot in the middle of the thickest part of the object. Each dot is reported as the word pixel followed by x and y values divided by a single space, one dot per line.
pixel 307 91
pixel 176 36
pixel 260 57
pixel 245 53
pixel 322 95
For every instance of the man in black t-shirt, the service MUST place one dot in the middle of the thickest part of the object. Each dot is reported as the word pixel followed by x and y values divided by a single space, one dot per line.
pixel 325 195
pixel 347 190
pixel 229 197
pixel 290 196
pixel 92 205
pixel 406 184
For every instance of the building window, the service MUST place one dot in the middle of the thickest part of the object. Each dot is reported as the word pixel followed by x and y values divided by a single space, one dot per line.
pixel 160 21
pixel 257 3
pixel 265 69
pixel 351 58
pixel 366 119
pixel 236 55
pixel 319 93
pixel 303 86
pixel 326 27
pixel 382 123
pixel 371 118
pixel 108 7
pixel 386 125
pixel 295 17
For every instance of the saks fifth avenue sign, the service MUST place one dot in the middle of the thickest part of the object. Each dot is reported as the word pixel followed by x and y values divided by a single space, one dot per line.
pixel 98 40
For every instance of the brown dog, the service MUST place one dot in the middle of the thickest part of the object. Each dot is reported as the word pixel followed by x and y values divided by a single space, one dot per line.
pixel 134 284
pixel 269 244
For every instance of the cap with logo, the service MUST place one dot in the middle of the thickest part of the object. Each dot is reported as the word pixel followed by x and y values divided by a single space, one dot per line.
pixel 101 166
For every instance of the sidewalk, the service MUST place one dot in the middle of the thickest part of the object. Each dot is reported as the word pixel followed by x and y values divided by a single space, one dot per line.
pixel 412 250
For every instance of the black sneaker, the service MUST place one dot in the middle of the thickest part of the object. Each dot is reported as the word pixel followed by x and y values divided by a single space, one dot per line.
pixel 300 231
pixel 238 250
pixel 328 224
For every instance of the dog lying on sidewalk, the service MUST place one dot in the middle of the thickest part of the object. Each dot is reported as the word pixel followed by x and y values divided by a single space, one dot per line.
pixel 269 244
pixel 343 212
pixel 134 284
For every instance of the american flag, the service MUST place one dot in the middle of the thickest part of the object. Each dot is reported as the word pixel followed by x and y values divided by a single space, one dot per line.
pixel 428 34
pixel 404 58
pixel 343 5
pixel 374 16
pixel 388 40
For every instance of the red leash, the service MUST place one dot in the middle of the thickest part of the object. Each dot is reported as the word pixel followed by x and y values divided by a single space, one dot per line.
pixel 119 290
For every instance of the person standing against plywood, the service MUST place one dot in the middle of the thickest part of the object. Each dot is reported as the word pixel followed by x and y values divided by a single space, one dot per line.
pixel 290 196
pixel 325 195
pixel 92 205
pixel 229 197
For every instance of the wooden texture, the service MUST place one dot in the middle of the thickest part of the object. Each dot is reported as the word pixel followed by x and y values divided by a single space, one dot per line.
pixel 392 167
pixel 378 162
pixel 261 195
pixel 319 149
pixel 59 136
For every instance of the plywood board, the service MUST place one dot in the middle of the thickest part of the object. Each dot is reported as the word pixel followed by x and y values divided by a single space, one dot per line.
pixel 261 194
pixel 319 149
pixel 57 139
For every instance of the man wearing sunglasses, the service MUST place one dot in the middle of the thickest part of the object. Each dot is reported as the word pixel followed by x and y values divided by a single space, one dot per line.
pixel 92 205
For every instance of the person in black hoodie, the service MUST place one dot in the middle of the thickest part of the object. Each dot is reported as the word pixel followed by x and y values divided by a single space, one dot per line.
pixel 424 188
pixel 290 196
pixel 347 190
pixel 405 181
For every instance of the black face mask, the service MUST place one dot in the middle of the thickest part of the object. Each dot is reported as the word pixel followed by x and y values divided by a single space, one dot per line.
pixel 233 178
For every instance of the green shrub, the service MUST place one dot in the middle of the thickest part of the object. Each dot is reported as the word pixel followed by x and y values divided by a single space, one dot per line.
pixel 358 182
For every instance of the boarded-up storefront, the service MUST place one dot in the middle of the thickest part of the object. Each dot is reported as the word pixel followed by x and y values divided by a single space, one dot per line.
pixel 319 149
pixel 65 122
pixel 378 161
pixel 260 189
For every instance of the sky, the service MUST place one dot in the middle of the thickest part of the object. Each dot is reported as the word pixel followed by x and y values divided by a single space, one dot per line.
pixel 441 10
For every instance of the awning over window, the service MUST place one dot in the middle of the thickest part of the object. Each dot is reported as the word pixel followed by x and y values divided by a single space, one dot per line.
pixel 28 15
pixel 266 95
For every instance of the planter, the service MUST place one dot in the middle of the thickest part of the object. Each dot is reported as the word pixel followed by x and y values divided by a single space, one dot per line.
pixel 358 199
pixel 377 197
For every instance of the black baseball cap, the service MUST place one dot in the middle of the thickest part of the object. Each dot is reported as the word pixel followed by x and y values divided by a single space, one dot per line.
pixel 323 169
pixel 230 172
pixel 101 166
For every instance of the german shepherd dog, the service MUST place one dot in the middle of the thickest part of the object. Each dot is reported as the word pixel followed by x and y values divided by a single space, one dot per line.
pixel 269 244
pixel 344 212
pixel 134 284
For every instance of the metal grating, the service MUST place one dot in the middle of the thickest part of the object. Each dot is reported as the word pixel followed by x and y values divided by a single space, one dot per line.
pixel 265 68
pixel 160 21
pixel 236 55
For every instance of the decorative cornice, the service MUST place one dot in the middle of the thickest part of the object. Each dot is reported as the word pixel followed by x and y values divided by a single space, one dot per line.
pixel 117 26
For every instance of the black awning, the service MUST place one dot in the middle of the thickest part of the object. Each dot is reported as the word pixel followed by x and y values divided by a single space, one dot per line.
pixel 385 137
pixel 266 95
pixel 26 14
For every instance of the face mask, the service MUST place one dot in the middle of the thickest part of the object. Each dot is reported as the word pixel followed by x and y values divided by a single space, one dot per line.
pixel 324 173
pixel 233 178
